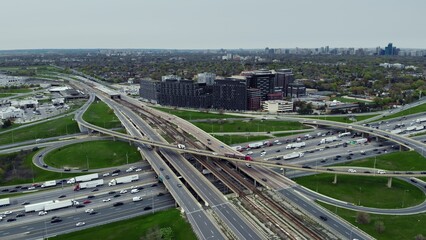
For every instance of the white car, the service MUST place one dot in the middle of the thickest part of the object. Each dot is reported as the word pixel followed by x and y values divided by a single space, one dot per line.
pixel 105 174
pixel 106 200
pixel 42 213
pixel 7 212
pixel 79 224
pixel 279 143
pixel 114 174
pixel 276 141
pixel 249 153
pixel 138 169
pixel 89 210
pixel 31 188
pixel 134 191
pixel 351 170
pixel 123 191
pixel 129 170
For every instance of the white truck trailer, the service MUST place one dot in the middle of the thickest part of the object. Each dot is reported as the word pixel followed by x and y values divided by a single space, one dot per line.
pixel 292 155
pixel 4 201
pixel 420 120
pixel 125 179
pixel 36 206
pixel 255 145
pixel 90 184
pixel 344 134
pixel 411 128
pixel 49 184
pixel 329 139
pixel 396 131
pixel 58 205
pixel 295 145
pixel 83 178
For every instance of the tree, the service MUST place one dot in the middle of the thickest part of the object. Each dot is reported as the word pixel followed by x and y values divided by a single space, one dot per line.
pixel 7 123
pixel 419 237
pixel 379 226
pixel 363 218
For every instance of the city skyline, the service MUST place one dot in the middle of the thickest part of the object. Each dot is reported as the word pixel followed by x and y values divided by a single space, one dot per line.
pixel 191 24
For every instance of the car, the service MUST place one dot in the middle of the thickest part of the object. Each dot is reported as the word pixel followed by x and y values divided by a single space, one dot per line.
pixel 24 188
pixel 147 208
pixel 140 188
pixel 79 224
pixel 249 153
pixel 160 194
pixel 54 217
pixel 161 169
pixel 367 172
pixel 117 204
pixel 42 213
pixel 350 170
pixel 86 201
pixel 20 215
pixel 56 220
pixel 117 195
pixel 413 180
pixel 167 177
pixel 13 190
pixel 67 169
pixel 8 212
pixel 305 166
pixel 62 196
pixel 95 190
pixel 106 174
pixel 264 179
pixel 79 206
pixel 134 191
pixel 31 188
pixel 45 166
pixel 330 169
pixel 324 218
pixel 278 150
pixel 123 191
pixel 154 185
pixel 111 192
pixel 129 170
pixel 89 210
pixel 179 185
pixel 5 190
pixel 11 219
pixel 90 196
pixel 93 213
pixel 85 170
pixel 25 203
pixel 106 200
pixel 138 169
pixel 114 174
pixel 116 171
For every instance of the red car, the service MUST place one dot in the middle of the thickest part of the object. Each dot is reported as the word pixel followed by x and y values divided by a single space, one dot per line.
pixel 87 201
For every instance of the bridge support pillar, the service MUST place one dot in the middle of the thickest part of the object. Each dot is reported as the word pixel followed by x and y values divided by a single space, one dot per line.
pixel 284 171
pixel 255 183
pixel 377 139
pixel 389 184
pixel 335 179
pixel 400 148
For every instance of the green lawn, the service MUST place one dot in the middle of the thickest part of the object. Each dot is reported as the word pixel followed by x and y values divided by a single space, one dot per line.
pixel 417 109
pixel 349 100
pixel 234 139
pixel 248 126
pixel 193 115
pixel 396 227
pixel 15 90
pixel 98 154
pixel 402 161
pixel 4 95
pixel 138 228
pixel 101 115
pixel 289 134
pixel 26 172
pixel 345 119
pixel 53 128
pixel 365 191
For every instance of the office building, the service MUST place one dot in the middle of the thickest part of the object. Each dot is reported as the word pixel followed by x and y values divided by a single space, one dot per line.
pixel 183 93
pixel 277 106
pixel 148 90
pixel 230 94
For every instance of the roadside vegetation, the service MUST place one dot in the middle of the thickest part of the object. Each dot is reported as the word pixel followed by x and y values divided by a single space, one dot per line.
pixel 92 155
pixel 248 126
pixel 417 109
pixel 167 224
pixel 194 115
pixel 235 139
pixel 384 226
pixel 101 115
pixel 345 119
pixel 365 191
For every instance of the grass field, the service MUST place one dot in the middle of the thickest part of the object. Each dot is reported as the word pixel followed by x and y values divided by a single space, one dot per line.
pixel 289 134
pixel 365 191
pixel 4 95
pixel 349 100
pixel 193 115
pixel 402 161
pixel 417 109
pixel 101 115
pixel 249 126
pixel 234 139
pixel 138 228
pixel 53 128
pixel 396 227
pixel 26 172
pixel 92 155
pixel 345 119
pixel 15 90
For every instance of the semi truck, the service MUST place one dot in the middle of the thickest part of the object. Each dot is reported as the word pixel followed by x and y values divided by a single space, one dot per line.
pixel 58 205
pixel 49 184
pixel 83 178
pixel 411 128
pixel 255 145
pixel 90 184
pixel 292 155
pixel 125 179
pixel 420 120
pixel 329 139
pixel 36 206
pixel 4 201
pixel 295 145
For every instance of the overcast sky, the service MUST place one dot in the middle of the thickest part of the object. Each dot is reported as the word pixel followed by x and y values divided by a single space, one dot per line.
pixel 212 24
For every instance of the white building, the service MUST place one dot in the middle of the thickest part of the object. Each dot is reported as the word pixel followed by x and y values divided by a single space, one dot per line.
pixel 27 103
pixel 277 106
pixel 11 80
pixel 11 112
pixel 207 78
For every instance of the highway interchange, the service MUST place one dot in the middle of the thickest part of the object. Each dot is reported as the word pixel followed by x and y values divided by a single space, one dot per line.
pixel 29 226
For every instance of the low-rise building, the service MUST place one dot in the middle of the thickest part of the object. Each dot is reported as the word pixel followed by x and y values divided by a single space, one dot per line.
pixel 11 112
pixel 277 106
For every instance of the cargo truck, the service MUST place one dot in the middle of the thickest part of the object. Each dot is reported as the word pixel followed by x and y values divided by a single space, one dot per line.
pixel 418 128
pixel 4 201
pixel 411 128
pixel 90 184
pixel 49 184
pixel 58 205
pixel 83 178
pixel 420 120
pixel 329 139
pixel 295 145
pixel 396 131
pixel 292 155
pixel 36 206
pixel 344 134
pixel 255 145
pixel 125 179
